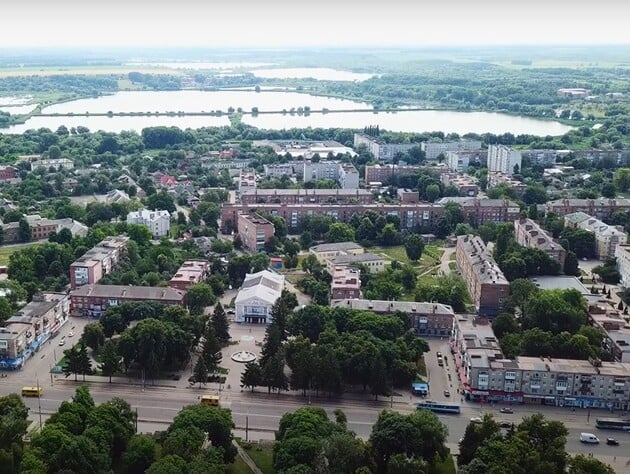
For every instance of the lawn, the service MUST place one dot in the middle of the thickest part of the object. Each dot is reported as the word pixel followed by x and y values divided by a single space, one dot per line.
pixel 238 467
pixel 445 467
pixel 430 256
pixel 5 252
pixel 261 455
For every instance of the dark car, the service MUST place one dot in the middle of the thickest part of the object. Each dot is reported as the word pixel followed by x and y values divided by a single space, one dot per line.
pixel 447 393
pixel 506 424
pixel 612 441
pixel 506 410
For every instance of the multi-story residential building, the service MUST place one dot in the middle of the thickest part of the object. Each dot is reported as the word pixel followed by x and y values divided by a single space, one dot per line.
pixel 422 215
pixel 57 164
pixel 324 252
pixel 601 208
pixel 306 196
pixel 622 253
pixel 384 173
pixel 158 222
pixel 615 328
pixel 277 170
pixel 459 161
pixel 23 334
pixel 257 296
pixel 427 319
pixel 466 185
pixel 42 228
pixel 478 211
pixel 487 286
pixel 488 376
pixel 529 234
pixel 246 180
pixel 345 284
pixel 190 273
pixel 255 231
pixel 9 174
pixel 434 149
pixel 373 262
pixel 343 173
pixel 382 151
pixel 93 300
pixel 498 178
pixel 503 159
pixel 98 261
pixel 544 157
pixel 607 237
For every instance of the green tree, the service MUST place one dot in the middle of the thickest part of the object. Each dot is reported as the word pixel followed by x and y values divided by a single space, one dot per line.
pixel 432 192
pixel 252 376
pixel 200 372
pixel 211 352
pixel 571 265
pixel 414 246
pixel 535 194
pixel 199 296
pixel 608 190
pixel 25 234
pixel 13 426
pixel 388 235
pixel 72 362
pixel 622 179
pixel 93 336
pixel 140 454
pixel 161 201
pixel 581 464
pixel 221 324
pixel 474 436
pixel 110 359
pixel 273 374
pixel 83 360
pixel 339 232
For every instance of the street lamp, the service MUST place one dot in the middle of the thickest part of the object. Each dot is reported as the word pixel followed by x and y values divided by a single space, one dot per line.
pixel 39 403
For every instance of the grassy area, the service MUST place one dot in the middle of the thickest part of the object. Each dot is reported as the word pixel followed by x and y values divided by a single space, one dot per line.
pixel 5 252
pixel 430 257
pixel 262 456
pixel 452 266
pixel 422 367
pixel 445 467
pixel 238 467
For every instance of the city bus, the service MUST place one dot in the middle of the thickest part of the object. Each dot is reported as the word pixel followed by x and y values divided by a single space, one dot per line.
pixel 438 407
pixel 211 400
pixel 612 424
pixel 32 391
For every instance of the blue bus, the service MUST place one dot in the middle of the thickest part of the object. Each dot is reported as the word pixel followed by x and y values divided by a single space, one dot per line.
pixel 439 407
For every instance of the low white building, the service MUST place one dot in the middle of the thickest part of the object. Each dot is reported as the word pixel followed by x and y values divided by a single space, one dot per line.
pixel 158 222
pixel 257 296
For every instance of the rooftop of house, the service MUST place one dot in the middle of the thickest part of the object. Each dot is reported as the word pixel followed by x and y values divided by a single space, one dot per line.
pixel 265 285
pixel 384 306
pixel 543 239
pixel 32 311
pixel 359 258
pixel 129 292
pixel 254 219
pixel 481 260
pixel 336 247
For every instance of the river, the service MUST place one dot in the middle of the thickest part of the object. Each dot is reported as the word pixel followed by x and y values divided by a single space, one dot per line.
pixel 207 101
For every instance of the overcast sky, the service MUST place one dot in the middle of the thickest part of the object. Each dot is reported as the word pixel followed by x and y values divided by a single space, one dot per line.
pixel 286 23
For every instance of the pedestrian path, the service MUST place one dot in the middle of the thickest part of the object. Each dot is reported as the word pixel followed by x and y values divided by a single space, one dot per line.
pixel 245 457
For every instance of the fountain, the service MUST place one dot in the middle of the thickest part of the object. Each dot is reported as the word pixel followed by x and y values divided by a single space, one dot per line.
pixel 243 357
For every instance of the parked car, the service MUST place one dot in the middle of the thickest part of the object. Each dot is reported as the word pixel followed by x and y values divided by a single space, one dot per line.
pixel 62 342
pixel 70 334
pixel 612 441
pixel 506 410
pixel 447 393
pixel 506 424
pixel 476 420
pixel 439 354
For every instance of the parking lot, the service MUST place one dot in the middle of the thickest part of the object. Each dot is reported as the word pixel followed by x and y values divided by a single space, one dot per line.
pixel 441 378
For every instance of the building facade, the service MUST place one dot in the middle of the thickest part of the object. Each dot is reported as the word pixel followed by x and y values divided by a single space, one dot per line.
pixel 385 173
pixel 57 164
pixel 98 261
pixel 306 196
pixel 343 173
pixel 42 228
pixel 158 222
pixel 257 296
pixel 478 211
pixel 255 231
pixel 93 300
pixel 324 252
pixel 498 178
pixel 607 237
pixel 486 283
pixel 529 234
pixel 427 319
pixel 504 159
pixel 466 185
pixel 424 214
pixel 622 253
pixel 345 284
pixel 190 273
pixel 434 149
pixel 599 208
pixel 382 151
pixel 373 262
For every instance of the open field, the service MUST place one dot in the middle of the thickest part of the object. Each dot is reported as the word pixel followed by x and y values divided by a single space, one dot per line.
pixel 262 455
pixel 5 252
pixel 430 256
pixel 85 70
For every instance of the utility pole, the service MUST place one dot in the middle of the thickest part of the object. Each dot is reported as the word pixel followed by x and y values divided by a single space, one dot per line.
pixel 247 427
pixel 39 404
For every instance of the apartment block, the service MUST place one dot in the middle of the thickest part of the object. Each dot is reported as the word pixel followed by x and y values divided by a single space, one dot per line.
pixel 478 211
pixel 427 319
pixel 98 261
pixel 23 333
pixel 246 180
pixel 381 150
pixel 407 196
pixel 9 174
pixel 422 215
pixel 306 196
pixel 503 159
pixel 607 237
pixel 615 327
pixel 466 185
pixel 622 253
pixel 346 283
pixel 498 178
pixel 529 234
pixel 489 377
pixel 93 300
pixel 57 164
pixel 343 173
pixel 158 222
pixel 384 173
pixel 42 228
pixel 487 286
pixel 601 208
pixel 277 170
pixel 434 149
pixel 255 231
pixel 190 273
pixel 459 161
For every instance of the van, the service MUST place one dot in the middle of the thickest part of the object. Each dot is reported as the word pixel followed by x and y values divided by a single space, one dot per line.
pixel 589 438
pixel 211 400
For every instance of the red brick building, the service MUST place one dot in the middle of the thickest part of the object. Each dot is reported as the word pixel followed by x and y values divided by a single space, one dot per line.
pixel 255 231
pixel 8 173
pixel 306 196
pixel 190 273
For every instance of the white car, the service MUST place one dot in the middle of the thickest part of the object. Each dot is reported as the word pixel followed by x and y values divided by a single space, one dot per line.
pixel 476 420
pixel 70 334
pixel 62 342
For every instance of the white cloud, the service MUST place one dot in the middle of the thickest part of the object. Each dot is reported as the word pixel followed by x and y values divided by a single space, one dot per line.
pixel 299 23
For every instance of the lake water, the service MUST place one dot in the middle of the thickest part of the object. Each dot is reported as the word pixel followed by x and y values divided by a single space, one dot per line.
pixel 198 101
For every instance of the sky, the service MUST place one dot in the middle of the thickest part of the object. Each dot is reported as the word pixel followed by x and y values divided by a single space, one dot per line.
pixel 288 23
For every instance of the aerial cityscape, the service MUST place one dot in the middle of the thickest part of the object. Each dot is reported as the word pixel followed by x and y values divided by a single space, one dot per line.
pixel 402 248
